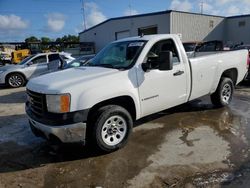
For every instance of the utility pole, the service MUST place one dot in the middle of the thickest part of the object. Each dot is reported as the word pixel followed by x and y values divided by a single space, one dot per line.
pixel 201 6
pixel 83 14
pixel 129 6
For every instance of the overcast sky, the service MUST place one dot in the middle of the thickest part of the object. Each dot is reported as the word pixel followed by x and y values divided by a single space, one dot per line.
pixel 55 18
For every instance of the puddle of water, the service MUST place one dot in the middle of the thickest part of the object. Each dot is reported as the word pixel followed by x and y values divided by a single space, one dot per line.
pixel 200 146
pixel 148 126
pixel 18 132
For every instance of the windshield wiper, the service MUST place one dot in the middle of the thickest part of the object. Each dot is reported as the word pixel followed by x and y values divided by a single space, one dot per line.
pixel 106 66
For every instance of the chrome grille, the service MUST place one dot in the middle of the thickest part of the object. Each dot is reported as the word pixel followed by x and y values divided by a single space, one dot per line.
pixel 36 102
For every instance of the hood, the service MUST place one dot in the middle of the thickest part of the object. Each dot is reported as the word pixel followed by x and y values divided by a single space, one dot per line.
pixel 10 67
pixel 57 82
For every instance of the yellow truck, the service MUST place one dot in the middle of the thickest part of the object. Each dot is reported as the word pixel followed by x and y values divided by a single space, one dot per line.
pixel 18 55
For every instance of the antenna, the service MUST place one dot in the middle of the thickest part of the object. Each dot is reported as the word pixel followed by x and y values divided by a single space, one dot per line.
pixel 83 14
pixel 130 9
pixel 201 6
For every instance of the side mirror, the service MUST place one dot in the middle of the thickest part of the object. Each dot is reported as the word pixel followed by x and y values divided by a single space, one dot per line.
pixel 146 66
pixel 30 63
pixel 151 63
pixel 165 60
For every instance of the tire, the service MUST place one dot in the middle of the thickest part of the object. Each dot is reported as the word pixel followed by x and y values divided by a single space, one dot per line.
pixel 15 80
pixel 108 136
pixel 224 93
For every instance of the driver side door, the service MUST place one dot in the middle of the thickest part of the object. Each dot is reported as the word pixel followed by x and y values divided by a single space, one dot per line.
pixel 38 66
pixel 159 90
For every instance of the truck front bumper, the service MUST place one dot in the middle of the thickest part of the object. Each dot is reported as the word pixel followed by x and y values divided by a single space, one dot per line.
pixel 71 133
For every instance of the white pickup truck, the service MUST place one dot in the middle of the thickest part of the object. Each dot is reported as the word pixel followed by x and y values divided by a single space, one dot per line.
pixel 127 80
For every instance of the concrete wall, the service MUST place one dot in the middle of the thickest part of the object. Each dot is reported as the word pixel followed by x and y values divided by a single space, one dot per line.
pixel 236 34
pixel 195 27
pixel 105 33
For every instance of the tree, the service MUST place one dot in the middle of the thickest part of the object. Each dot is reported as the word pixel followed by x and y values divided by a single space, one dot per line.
pixel 31 39
pixel 45 39
pixel 68 38
pixel 58 39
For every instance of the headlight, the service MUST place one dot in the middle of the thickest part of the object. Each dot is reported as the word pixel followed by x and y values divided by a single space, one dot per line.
pixel 58 103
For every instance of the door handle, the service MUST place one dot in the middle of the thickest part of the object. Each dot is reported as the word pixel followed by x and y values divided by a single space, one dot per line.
pixel 178 73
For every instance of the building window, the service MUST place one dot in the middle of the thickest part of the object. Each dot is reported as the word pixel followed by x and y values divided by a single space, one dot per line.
pixel 211 24
pixel 242 23
pixel 147 30
pixel 122 34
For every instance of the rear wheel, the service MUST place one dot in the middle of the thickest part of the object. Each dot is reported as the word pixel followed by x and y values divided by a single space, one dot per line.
pixel 15 80
pixel 224 93
pixel 112 126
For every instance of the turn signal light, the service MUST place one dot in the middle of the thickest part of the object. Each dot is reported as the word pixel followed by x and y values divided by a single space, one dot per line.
pixel 65 103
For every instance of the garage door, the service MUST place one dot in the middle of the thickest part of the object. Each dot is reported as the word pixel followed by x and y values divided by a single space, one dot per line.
pixel 122 34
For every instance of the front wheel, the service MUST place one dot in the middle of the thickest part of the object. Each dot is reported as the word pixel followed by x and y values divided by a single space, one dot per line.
pixel 15 80
pixel 224 93
pixel 111 128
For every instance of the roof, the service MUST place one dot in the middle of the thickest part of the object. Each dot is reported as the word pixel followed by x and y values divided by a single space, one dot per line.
pixel 154 37
pixel 147 14
pixel 239 16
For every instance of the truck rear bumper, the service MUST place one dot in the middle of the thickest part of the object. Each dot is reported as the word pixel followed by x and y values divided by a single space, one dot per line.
pixel 71 133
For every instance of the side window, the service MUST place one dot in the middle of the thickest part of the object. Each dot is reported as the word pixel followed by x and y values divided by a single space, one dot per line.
pixel 161 46
pixel 53 57
pixel 210 47
pixel 40 59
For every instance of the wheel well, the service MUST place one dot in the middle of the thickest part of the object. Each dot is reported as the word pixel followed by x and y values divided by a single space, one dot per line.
pixel 124 101
pixel 7 76
pixel 232 74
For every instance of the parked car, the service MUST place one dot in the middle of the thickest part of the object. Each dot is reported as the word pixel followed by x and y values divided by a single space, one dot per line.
pixel 190 47
pixel 127 80
pixel 80 61
pixel 61 64
pixel 247 47
pixel 4 58
pixel 30 67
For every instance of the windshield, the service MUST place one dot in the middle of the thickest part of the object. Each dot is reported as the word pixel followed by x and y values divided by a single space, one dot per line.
pixel 26 60
pixel 119 55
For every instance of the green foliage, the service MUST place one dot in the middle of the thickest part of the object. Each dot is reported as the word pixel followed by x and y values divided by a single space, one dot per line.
pixel 68 38
pixel 45 39
pixel 65 38
pixel 31 39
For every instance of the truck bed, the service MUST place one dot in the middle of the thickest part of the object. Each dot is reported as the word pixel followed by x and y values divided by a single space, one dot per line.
pixel 206 70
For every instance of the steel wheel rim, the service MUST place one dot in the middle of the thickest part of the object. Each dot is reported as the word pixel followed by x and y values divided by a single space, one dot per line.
pixel 15 81
pixel 114 130
pixel 226 93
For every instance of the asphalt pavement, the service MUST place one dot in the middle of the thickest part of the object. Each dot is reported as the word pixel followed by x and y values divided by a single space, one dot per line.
pixel 192 145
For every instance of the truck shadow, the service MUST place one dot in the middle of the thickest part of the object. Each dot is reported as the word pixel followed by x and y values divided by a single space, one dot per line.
pixel 245 84
pixel 2 86
pixel 192 106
